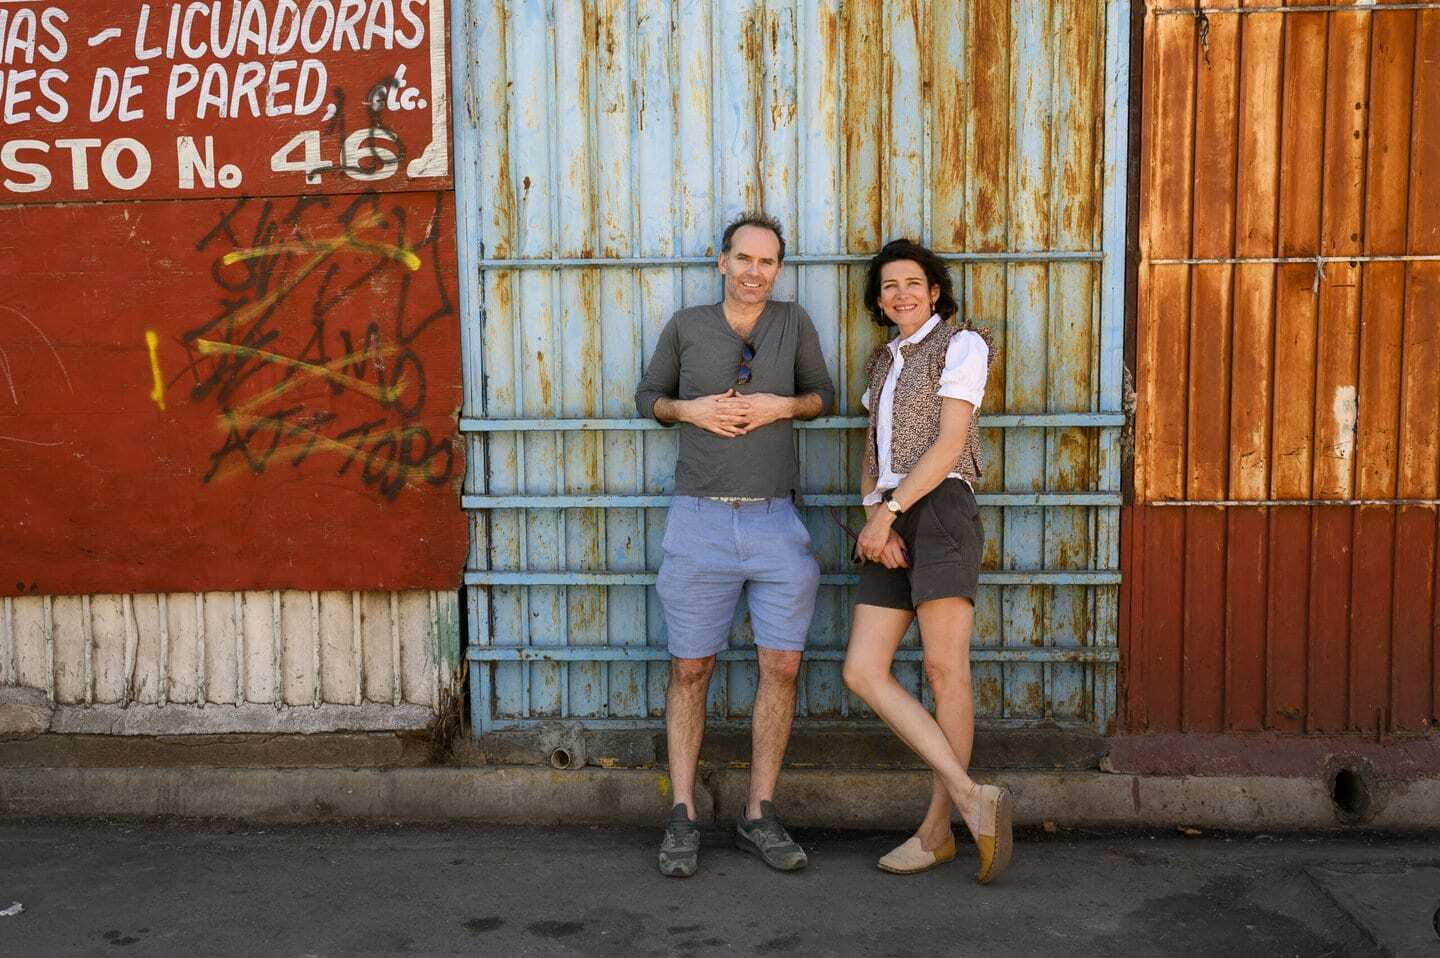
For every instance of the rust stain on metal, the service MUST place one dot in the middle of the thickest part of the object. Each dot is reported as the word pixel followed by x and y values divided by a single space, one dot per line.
pixel 863 127
pixel 502 209
pixel 543 372
pixel 607 29
pixel 1073 452
pixel 783 103
pixel 829 36
pixel 581 180
pixel 591 357
pixel 1033 699
pixel 752 40
pixel 1079 625
pixel 989 692
pixel 988 135
pixel 949 194
pixel 752 37
pixel 1082 45
pixel 590 480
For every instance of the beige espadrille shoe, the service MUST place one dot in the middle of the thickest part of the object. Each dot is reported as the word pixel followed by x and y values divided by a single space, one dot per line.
pixel 994 840
pixel 911 857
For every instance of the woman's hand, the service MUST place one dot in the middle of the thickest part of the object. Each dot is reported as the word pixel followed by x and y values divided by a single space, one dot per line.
pixel 880 543
pixel 895 555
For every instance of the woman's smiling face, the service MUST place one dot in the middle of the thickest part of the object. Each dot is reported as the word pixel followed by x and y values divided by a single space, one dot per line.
pixel 906 296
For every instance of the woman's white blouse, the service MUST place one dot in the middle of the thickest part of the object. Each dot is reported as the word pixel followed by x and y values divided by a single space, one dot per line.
pixel 966 367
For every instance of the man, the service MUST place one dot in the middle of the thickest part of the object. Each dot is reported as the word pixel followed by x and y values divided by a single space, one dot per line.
pixel 734 375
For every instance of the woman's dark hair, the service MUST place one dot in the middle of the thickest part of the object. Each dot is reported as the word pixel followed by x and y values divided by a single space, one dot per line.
pixel 935 275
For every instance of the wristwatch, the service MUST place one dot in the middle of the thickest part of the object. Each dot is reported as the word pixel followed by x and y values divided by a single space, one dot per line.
pixel 888 497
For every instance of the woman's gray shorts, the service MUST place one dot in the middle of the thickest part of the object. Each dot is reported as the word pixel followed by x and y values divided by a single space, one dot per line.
pixel 714 549
pixel 943 535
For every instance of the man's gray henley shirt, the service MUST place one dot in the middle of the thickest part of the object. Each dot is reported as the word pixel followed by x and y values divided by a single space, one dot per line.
pixel 698 354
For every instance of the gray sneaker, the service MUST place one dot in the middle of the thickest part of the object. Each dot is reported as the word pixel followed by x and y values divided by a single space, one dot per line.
pixel 680 849
pixel 766 838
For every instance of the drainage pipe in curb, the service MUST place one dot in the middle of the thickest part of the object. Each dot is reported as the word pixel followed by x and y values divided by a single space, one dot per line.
pixel 566 758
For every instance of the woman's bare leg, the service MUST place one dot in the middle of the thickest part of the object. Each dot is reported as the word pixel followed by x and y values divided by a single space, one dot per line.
pixel 875 633
pixel 945 628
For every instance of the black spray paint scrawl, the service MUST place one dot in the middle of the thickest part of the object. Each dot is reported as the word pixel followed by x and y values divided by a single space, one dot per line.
pixel 312 358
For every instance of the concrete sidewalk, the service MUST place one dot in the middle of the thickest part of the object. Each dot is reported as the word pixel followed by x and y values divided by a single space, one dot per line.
pixel 178 887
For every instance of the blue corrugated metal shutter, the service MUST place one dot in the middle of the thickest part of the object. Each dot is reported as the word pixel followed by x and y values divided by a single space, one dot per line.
pixel 600 149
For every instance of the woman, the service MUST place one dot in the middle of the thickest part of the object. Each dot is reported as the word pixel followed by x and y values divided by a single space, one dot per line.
pixel 921 546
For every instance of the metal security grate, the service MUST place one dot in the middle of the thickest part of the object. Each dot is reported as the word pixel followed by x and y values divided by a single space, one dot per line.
pixel 600 152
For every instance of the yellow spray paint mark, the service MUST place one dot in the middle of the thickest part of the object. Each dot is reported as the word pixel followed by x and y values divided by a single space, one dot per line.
pixel 389 251
pixel 330 371
pixel 347 241
pixel 323 250
pixel 662 782
pixel 157 391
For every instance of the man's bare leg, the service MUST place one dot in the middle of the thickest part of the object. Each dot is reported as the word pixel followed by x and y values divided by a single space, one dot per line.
pixel 770 725
pixel 685 724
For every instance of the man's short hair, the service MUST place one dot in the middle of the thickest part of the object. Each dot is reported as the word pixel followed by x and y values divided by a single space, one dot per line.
pixel 753 218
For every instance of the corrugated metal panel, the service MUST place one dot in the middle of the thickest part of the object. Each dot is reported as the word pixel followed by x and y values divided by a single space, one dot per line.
pixel 601 149
pixel 233 661
pixel 1282 571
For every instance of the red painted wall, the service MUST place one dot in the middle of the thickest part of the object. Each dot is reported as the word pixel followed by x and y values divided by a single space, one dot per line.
pixel 229 347
pixel 1316 620
pixel 1264 388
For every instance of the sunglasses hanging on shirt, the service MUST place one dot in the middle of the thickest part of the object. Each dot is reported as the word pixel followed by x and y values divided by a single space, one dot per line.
pixel 747 356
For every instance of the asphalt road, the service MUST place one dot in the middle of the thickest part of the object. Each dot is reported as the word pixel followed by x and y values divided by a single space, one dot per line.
pixel 216 888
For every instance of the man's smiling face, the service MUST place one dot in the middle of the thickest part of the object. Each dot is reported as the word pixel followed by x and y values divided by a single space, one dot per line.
pixel 751 265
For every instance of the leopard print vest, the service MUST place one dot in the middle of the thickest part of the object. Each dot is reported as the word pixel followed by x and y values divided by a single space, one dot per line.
pixel 915 412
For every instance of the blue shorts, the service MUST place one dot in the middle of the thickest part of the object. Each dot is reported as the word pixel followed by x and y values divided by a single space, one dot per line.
pixel 713 550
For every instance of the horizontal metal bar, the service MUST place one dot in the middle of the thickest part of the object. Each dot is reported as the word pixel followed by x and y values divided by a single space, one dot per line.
pixel 468 425
pixel 1305 8
pixel 1048 420
pixel 1013 499
pixel 828 724
pixel 645 653
pixel 797 259
pixel 1234 503
pixel 1293 260
pixel 489 577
